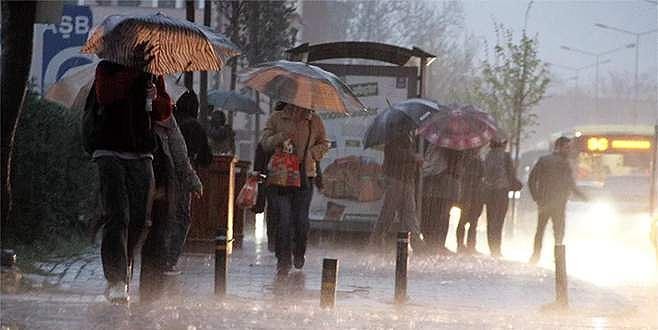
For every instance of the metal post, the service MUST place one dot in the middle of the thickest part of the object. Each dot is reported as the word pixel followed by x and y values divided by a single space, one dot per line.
pixel 235 25
pixel 654 156
pixel 221 262
pixel 636 93
pixel 401 268
pixel 329 280
pixel 421 142
pixel 203 76
pixel 596 86
pixel 561 292
pixel 189 15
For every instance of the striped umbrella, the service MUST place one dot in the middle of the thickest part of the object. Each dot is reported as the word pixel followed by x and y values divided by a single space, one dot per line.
pixel 459 128
pixel 173 45
pixel 303 85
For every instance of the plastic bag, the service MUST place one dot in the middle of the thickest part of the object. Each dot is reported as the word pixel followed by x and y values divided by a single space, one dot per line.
pixel 248 193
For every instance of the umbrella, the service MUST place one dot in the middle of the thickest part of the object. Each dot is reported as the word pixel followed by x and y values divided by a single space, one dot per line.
pixel 173 45
pixel 459 128
pixel 72 89
pixel 303 85
pixel 399 117
pixel 232 101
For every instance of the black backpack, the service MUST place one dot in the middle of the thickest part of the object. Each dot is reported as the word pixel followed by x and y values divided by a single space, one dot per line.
pixel 92 117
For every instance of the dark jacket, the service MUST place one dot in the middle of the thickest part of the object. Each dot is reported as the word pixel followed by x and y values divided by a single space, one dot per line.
pixel 125 125
pixel 196 140
pixel 222 139
pixel 472 179
pixel 400 159
pixel 551 181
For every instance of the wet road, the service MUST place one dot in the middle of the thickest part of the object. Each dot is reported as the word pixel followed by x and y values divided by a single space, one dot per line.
pixel 444 292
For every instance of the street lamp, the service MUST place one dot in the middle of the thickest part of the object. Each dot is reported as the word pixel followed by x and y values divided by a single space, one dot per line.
pixel 598 62
pixel 637 35
pixel 576 71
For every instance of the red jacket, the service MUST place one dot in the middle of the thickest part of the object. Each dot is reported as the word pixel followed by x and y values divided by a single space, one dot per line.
pixel 125 124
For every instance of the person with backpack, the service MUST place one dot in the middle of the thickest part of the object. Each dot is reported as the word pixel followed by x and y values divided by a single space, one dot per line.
pixel 118 133
pixel 499 180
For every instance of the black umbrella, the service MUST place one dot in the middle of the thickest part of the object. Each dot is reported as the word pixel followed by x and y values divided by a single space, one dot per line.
pixel 232 101
pixel 400 117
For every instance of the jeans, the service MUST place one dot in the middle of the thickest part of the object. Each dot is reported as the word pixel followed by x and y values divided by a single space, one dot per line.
pixel 556 213
pixel 497 202
pixel 126 187
pixel 436 221
pixel 177 229
pixel 292 207
pixel 399 201
pixel 471 211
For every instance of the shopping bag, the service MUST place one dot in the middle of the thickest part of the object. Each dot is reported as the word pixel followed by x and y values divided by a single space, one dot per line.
pixel 284 170
pixel 248 193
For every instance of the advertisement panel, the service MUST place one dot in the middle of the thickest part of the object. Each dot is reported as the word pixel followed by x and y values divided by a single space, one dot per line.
pixel 353 187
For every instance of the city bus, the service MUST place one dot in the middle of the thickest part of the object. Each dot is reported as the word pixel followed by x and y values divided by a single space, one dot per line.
pixel 612 164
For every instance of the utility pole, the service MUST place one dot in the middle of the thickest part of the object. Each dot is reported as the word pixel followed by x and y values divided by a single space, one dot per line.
pixel 203 78
pixel 636 84
pixel 189 15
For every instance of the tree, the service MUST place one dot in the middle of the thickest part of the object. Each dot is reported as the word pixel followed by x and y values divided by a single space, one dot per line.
pixel 18 18
pixel 266 26
pixel 511 84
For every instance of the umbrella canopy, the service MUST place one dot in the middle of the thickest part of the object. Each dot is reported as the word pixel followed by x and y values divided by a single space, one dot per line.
pixel 399 117
pixel 173 45
pixel 459 128
pixel 232 101
pixel 303 85
pixel 72 89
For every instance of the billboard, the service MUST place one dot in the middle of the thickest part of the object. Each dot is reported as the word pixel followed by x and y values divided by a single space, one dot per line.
pixel 352 176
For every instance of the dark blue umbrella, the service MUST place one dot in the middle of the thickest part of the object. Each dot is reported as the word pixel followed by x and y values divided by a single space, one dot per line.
pixel 232 101
pixel 398 118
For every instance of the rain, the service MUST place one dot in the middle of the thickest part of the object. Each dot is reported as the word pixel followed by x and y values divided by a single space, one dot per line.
pixel 324 164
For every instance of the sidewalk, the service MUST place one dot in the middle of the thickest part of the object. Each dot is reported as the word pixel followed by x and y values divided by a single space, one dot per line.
pixel 444 292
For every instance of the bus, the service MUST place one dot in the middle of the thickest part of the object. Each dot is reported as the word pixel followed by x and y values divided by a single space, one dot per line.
pixel 612 163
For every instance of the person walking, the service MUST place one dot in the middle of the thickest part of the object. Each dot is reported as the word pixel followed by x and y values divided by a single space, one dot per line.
pixel 304 130
pixel 470 202
pixel 441 176
pixel 499 179
pixel 401 164
pixel 196 140
pixel 551 183
pixel 123 143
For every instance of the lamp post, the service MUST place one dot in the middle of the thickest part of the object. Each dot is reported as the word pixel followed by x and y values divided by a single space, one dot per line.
pixel 637 60
pixel 597 64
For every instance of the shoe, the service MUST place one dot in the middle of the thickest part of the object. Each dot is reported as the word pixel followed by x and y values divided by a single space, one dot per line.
pixel 117 293
pixel 298 261
pixel 534 259
pixel 282 271
pixel 172 271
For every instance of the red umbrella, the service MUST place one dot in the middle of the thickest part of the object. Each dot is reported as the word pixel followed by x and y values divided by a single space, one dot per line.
pixel 459 128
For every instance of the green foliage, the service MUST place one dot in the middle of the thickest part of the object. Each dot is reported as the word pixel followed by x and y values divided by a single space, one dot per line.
pixel 262 28
pixel 513 82
pixel 53 182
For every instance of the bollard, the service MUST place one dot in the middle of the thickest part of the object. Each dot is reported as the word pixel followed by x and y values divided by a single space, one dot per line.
pixel 329 279
pixel 221 262
pixel 561 291
pixel 401 268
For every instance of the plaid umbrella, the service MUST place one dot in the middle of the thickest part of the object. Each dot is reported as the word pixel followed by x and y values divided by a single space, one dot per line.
pixel 232 101
pixel 72 89
pixel 404 116
pixel 173 45
pixel 459 128
pixel 303 85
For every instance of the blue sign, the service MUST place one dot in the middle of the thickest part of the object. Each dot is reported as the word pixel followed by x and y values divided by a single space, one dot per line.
pixel 62 43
